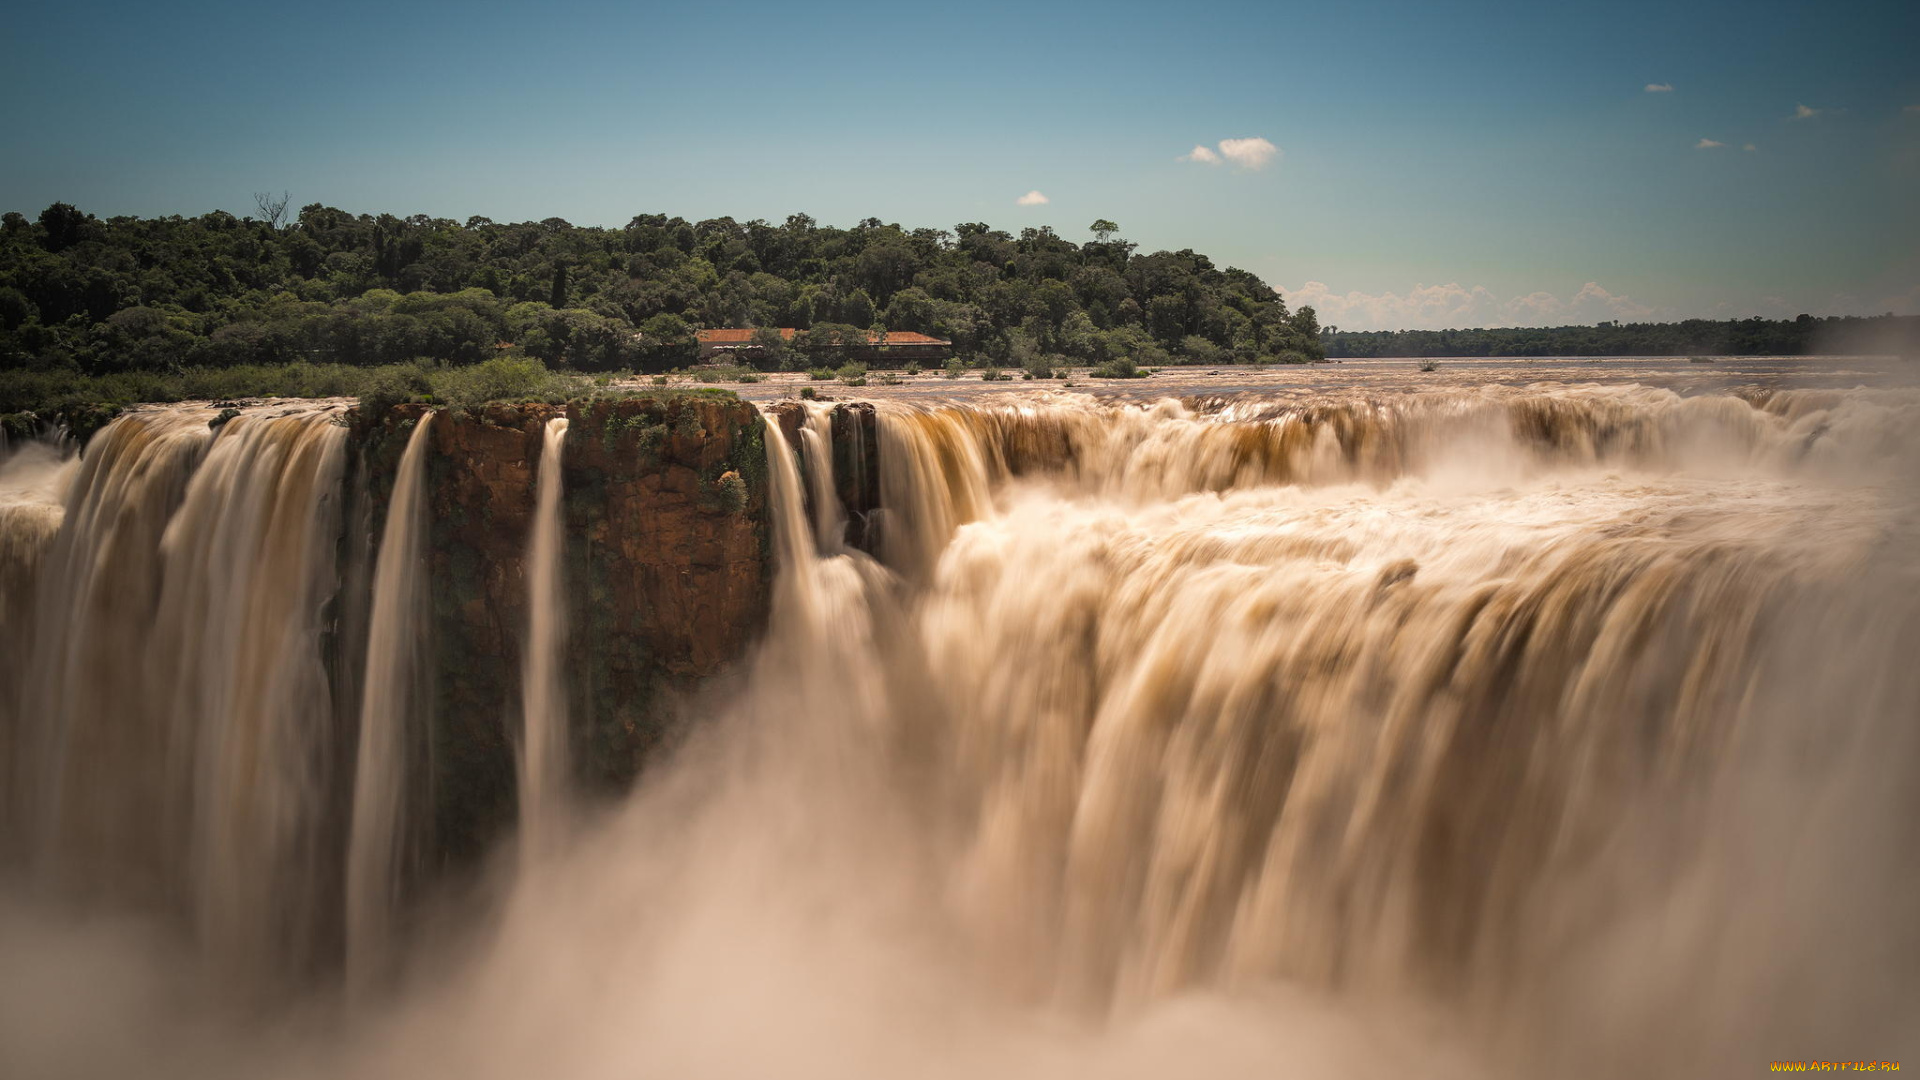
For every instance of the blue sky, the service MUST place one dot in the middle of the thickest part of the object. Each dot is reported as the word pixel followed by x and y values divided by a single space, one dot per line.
pixel 1433 164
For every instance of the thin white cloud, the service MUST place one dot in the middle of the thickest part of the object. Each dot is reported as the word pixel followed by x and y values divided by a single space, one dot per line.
pixel 1248 153
pixel 1749 148
pixel 1659 88
pixel 1032 198
pixel 1804 112
pixel 1436 306
pixel 1592 299
pixel 1253 153
pixel 1536 307
pixel 1911 109
pixel 1454 306
pixel 1709 144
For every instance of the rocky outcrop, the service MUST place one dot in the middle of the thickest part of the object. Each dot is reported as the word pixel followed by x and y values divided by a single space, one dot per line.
pixel 856 469
pixel 666 569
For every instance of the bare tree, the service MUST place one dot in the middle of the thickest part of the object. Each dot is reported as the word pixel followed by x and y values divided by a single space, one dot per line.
pixel 273 210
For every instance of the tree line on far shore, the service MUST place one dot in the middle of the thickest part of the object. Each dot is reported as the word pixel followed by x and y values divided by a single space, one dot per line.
pixel 1806 335
pixel 101 296
pixel 95 313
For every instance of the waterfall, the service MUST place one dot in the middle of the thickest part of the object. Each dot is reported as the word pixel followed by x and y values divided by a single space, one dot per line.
pixel 543 740
pixel 793 543
pixel 1367 695
pixel 175 741
pixel 829 605
pixel 393 714
pixel 33 483
pixel 87 708
pixel 829 518
pixel 1309 692
pixel 249 570
pixel 1477 731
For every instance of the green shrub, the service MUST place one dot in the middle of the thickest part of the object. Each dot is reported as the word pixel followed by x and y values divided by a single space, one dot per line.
pixel 1198 350
pixel 499 379
pixel 82 421
pixel 16 426
pixel 912 368
pixel 325 380
pixel 1043 365
pixel 820 374
pixel 1120 367
pixel 850 372
pixel 648 434
pixel 385 387
pixel 730 492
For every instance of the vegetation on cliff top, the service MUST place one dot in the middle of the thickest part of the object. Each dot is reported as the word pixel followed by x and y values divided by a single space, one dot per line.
pixel 30 400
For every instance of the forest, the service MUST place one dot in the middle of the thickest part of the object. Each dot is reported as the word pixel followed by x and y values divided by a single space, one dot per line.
pixel 323 286
pixel 98 313
pixel 1807 334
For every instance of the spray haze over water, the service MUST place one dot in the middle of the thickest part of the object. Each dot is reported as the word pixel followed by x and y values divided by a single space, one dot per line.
pixel 1562 730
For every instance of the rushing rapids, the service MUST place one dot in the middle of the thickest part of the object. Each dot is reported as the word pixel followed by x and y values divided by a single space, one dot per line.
pixel 1556 730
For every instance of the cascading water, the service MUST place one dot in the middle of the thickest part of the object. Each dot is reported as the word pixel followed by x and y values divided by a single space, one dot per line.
pixel 543 740
pixel 33 482
pixel 1214 714
pixel 392 716
pixel 829 518
pixel 1545 731
pixel 174 741
pixel 250 568
pixel 87 707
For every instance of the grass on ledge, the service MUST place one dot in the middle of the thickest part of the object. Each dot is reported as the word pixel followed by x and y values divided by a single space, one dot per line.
pixel 83 403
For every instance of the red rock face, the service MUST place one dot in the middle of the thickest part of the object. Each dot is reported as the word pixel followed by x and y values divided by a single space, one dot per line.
pixel 667 571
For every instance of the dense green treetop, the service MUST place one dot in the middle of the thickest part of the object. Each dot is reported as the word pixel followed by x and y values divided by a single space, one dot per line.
pixel 128 294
